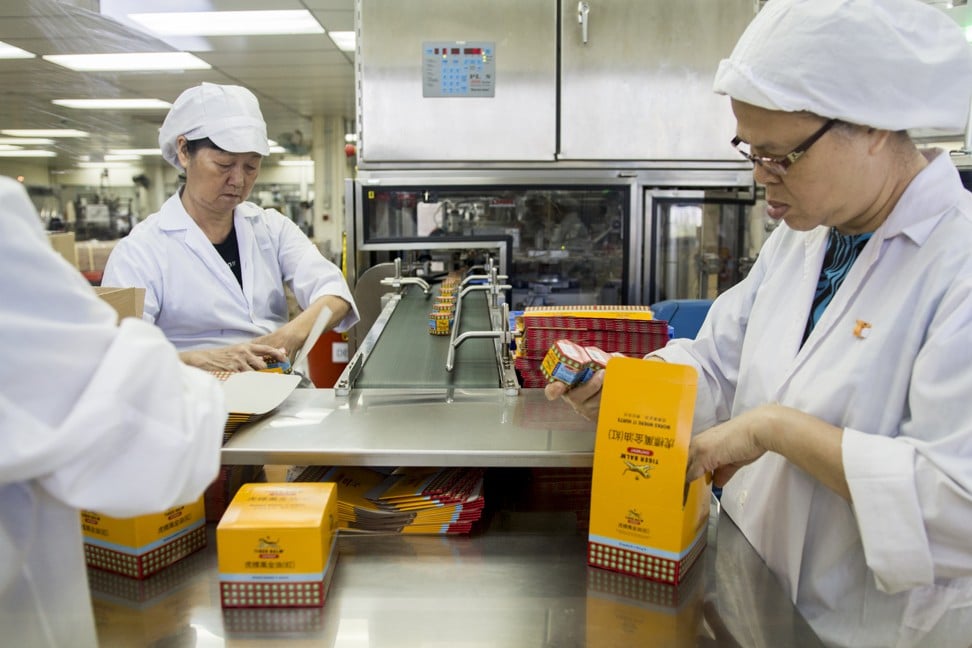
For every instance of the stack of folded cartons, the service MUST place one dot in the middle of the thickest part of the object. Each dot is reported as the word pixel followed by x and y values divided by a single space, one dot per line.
pixel 629 330
pixel 408 500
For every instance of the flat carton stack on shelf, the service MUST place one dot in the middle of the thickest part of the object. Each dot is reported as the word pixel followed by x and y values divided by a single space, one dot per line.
pixel 437 501
pixel 629 330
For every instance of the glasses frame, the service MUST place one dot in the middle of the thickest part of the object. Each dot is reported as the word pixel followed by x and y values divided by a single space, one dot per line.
pixel 778 165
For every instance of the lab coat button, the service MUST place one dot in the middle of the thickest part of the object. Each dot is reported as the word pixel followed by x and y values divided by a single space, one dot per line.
pixel 741 498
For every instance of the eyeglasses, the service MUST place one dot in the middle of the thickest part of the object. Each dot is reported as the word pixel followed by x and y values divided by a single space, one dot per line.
pixel 778 165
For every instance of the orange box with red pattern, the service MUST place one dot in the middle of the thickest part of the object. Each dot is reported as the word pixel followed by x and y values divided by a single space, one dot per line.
pixel 276 545
pixel 140 546
pixel 645 520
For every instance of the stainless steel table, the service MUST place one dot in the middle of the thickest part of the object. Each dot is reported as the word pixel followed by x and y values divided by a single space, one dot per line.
pixel 416 427
pixel 523 583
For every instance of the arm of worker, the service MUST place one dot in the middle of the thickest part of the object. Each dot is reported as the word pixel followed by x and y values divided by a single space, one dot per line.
pixel 311 277
pixel 804 440
pixel 102 416
pixel 291 336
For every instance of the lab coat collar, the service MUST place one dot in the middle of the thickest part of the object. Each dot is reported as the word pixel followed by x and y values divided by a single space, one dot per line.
pixel 930 194
pixel 173 217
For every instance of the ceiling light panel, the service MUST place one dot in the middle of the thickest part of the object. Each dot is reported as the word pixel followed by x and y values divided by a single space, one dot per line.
pixel 229 23
pixel 44 132
pixel 130 62
pixel 11 52
pixel 27 153
pixel 113 104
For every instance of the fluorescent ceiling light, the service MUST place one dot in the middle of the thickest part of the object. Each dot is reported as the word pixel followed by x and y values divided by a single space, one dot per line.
pixel 10 147
pixel 298 163
pixel 27 141
pixel 229 23
pixel 277 149
pixel 104 165
pixel 43 132
pixel 138 62
pixel 28 153
pixel 343 39
pixel 113 104
pixel 143 151
pixel 10 52
pixel 110 157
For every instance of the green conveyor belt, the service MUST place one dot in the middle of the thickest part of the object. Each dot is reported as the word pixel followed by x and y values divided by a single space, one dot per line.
pixel 406 355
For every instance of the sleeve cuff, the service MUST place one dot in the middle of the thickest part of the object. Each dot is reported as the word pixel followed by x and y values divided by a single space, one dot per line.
pixel 880 476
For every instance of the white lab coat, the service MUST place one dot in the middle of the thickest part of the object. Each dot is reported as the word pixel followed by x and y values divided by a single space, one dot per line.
pixel 92 416
pixel 193 296
pixel 900 556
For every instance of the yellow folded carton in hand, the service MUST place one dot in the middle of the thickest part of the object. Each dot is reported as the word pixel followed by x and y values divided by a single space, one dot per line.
pixel 645 520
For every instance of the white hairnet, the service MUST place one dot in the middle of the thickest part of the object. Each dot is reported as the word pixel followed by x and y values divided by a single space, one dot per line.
pixel 228 115
pixel 889 64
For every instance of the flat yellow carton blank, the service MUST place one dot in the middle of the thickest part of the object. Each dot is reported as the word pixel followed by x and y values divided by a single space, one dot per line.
pixel 645 521
pixel 140 546
pixel 275 545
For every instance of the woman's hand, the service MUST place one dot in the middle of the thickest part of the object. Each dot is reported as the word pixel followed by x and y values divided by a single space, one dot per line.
pixel 247 356
pixel 289 338
pixel 584 398
pixel 725 448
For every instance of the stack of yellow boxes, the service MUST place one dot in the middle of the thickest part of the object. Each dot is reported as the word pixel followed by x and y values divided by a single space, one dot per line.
pixel 276 545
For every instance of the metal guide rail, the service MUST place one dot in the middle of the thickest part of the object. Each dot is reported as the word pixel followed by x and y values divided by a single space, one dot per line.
pixel 399 352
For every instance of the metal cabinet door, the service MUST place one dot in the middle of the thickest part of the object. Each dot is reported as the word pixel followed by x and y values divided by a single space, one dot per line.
pixel 398 122
pixel 640 88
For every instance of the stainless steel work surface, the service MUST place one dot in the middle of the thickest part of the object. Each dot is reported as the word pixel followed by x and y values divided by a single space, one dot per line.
pixel 431 427
pixel 507 588
pixel 407 356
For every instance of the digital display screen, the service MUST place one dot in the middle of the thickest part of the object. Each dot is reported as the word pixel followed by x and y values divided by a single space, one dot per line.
pixel 473 50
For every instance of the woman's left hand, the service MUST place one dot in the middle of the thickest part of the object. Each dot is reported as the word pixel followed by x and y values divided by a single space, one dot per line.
pixel 725 448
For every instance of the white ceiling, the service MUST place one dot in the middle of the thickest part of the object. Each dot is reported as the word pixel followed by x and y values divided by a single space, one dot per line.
pixel 294 76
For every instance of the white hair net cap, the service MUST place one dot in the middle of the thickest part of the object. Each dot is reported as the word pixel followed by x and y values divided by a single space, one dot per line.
pixel 228 115
pixel 889 64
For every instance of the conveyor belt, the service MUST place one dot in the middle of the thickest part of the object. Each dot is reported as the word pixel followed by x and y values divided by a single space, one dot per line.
pixel 406 355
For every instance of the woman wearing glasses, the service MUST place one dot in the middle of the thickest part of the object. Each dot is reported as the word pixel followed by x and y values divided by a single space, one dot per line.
pixel 835 382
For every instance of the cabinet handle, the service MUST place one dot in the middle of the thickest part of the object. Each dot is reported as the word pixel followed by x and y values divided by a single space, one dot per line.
pixel 583 9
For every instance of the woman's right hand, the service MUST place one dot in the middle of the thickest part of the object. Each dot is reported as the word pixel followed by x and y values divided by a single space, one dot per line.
pixel 584 398
pixel 246 356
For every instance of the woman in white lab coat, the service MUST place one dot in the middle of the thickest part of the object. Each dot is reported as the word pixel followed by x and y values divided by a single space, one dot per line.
pixel 212 264
pixel 835 381
pixel 92 415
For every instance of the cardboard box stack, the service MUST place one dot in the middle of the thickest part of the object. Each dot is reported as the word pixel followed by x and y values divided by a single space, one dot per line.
pixel 63 243
pixel 127 302
pixel 276 545
pixel 629 330
pixel 645 520
pixel 140 546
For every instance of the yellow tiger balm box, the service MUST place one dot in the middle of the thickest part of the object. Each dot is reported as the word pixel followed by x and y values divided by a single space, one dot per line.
pixel 645 521
pixel 275 545
pixel 140 546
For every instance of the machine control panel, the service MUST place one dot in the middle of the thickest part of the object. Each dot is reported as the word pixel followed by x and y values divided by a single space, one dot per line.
pixel 458 69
